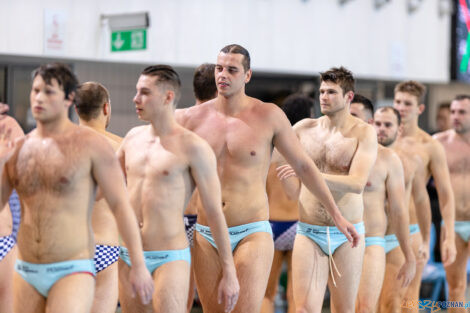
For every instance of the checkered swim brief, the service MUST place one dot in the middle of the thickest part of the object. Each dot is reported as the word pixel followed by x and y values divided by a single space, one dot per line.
pixel 190 225
pixel 284 234
pixel 105 256
pixel 15 208
pixel 6 244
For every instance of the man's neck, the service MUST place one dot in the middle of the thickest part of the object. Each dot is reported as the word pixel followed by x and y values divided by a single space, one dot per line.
pixel 409 129
pixel 339 119
pixel 163 123
pixel 463 136
pixel 231 105
pixel 52 128
pixel 95 124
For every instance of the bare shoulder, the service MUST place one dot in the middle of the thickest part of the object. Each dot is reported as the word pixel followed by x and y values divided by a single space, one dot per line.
pixel 307 123
pixel 113 139
pixel 388 155
pixel 362 130
pixel 193 144
pixel 443 136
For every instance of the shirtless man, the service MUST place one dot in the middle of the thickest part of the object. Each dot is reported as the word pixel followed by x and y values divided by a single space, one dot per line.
pixel 386 184
pixel 163 163
pixel 9 218
pixel 408 100
pixel 283 213
pixel 55 170
pixel 456 142
pixel 344 149
pixel 93 106
pixel 204 90
pixel 243 131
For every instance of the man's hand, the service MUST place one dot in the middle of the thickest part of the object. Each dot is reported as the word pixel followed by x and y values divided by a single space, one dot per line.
pixel 407 272
pixel 285 171
pixel 228 290
pixel 141 283
pixel 448 251
pixel 348 230
pixel 423 253
pixel 7 146
pixel 3 110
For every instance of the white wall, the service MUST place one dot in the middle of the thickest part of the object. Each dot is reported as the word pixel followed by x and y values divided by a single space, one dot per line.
pixel 292 36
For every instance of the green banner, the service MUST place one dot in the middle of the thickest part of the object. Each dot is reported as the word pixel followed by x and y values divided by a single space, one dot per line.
pixel 128 40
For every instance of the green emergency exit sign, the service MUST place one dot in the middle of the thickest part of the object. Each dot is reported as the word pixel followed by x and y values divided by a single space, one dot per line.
pixel 128 40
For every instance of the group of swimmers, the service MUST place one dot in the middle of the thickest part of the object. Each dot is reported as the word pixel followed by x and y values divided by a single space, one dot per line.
pixel 101 216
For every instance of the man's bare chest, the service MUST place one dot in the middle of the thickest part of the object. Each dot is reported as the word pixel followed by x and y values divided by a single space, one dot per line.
pixel 48 166
pixel 150 160
pixel 331 152
pixel 238 141
pixel 458 158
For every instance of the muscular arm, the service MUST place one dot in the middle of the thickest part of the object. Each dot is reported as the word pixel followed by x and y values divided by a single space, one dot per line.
pixel 397 208
pixel 422 204
pixel 440 172
pixel 204 172
pixel 10 131
pixel 110 180
pixel 361 164
pixel 109 177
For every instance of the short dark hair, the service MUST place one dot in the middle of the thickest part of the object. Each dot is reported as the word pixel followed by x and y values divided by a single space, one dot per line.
pixel 462 97
pixel 395 111
pixel 90 99
pixel 445 105
pixel 368 106
pixel 166 75
pixel 204 82
pixel 234 48
pixel 297 107
pixel 412 87
pixel 341 76
pixel 60 72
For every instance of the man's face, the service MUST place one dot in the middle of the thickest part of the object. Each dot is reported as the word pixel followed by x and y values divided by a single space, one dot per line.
pixel 47 100
pixel 230 76
pixel 407 105
pixel 332 99
pixel 386 126
pixel 460 115
pixel 357 109
pixel 443 119
pixel 149 98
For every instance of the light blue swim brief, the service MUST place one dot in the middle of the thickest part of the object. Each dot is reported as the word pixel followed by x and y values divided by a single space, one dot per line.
pixel 155 259
pixel 391 241
pixel 43 276
pixel 236 233
pixel 375 241
pixel 462 228
pixel 328 238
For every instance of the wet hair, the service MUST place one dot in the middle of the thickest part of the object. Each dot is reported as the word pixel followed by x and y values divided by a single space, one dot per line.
pixel 297 107
pixel 166 76
pixel 204 82
pixel 341 76
pixel 413 88
pixel 60 72
pixel 395 111
pixel 90 99
pixel 461 97
pixel 234 48
pixel 368 106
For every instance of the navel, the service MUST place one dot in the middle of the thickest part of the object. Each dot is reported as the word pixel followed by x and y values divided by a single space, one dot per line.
pixel 64 180
pixel 166 173
pixel 253 153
